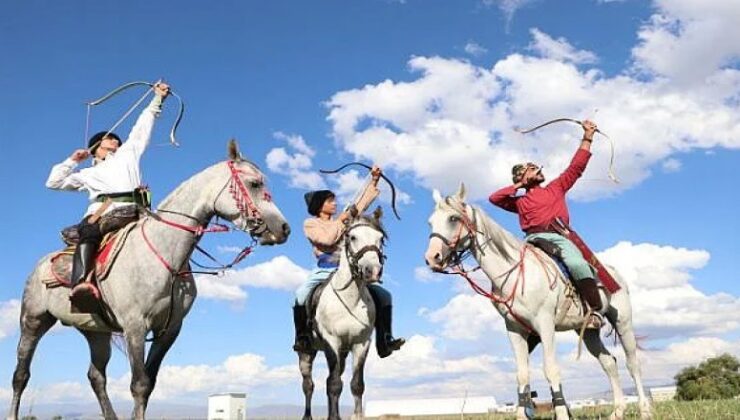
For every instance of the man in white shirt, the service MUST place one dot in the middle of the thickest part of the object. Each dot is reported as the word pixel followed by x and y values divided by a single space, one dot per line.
pixel 113 177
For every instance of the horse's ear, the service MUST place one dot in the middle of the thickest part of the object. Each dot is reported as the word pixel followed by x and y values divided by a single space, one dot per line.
pixel 378 213
pixel 233 149
pixel 461 193
pixel 437 196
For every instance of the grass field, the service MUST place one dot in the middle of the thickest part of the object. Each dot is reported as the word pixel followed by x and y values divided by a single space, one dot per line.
pixel 673 410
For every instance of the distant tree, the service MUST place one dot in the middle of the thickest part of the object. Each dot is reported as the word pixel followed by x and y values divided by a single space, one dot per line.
pixel 57 417
pixel 29 418
pixel 715 378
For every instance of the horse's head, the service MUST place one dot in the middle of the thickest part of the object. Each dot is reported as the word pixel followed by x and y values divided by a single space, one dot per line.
pixel 363 246
pixel 452 229
pixel 247 203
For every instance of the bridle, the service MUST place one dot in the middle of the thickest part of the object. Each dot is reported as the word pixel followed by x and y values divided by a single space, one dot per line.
pixel 354 257
pixel 247 210
pixel 468 240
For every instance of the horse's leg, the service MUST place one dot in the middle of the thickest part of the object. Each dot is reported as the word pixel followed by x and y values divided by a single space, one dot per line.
pixel 140 384
pixel 335 362
pixel 552 370
pixel 359 355
pixel 160 346
pixel 34 324
pixel 99 344
pixel 629 344
pixel 305 364
pixel 596 347
pixel 521 354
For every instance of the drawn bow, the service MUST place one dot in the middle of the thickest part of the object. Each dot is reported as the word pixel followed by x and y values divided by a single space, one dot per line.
pixel 385 178
pixel 611 174
pixel 116 91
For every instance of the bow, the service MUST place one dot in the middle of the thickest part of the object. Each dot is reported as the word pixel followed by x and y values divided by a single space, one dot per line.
pixel 385 178
pixel 611 174
pixel 114 92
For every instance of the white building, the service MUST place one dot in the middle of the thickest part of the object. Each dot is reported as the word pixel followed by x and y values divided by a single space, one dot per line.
pixel 431 406
pixel 663 393
pixel 231 406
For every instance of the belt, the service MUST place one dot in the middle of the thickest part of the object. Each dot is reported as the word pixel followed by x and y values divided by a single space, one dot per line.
pixel 540 229
pixel 137 197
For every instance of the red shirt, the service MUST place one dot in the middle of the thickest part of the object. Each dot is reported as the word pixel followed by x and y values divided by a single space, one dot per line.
pixel 540 206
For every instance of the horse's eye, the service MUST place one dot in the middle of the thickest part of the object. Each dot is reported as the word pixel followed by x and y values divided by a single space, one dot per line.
pixel 454 219
pixel 352 238
pixel 256 184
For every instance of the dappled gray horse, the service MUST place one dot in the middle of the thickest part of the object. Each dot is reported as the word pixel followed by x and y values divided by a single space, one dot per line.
pixel 535 306
pixel 345 314
pixel 142 290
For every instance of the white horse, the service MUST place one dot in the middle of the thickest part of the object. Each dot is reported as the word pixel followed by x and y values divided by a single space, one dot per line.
pixel 535 306
pixel 345 314
pixel 143 291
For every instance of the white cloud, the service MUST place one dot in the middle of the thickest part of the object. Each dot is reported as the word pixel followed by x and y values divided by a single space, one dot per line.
pixel 688 41
pixel 425 275
pixel 296 166
pixel 228 249
pixel 475 49
pixel 508 7
pixel 467 317
pixel 665 303
pixel 672 165
pixel 559 49
pixel 10 312
pixel 455 122
pixel 278 273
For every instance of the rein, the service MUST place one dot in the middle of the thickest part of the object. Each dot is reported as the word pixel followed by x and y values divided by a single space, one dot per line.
pixel 458 268
pixel 247 209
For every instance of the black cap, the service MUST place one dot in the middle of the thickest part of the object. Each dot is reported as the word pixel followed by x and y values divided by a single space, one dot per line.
pixel 315 200
pixel 95 140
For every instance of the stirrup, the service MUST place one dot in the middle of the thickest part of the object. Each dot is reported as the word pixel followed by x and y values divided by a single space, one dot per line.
pixel 395 343
pixel 595 321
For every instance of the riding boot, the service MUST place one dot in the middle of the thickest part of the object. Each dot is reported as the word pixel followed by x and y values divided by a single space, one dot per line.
pixel 84 296
pixel 302 332
pixel 385 344
pixel 590 293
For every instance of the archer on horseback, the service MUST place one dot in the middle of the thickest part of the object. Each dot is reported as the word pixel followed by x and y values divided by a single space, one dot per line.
pixel 543 212
pixel 324 232
pixel 113 183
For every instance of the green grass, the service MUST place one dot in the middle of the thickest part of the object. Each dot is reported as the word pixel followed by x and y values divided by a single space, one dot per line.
pixel 672 410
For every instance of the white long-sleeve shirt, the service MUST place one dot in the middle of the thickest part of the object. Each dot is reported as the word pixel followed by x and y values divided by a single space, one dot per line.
pixel 118 173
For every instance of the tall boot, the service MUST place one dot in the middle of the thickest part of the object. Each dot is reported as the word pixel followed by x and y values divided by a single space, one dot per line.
pixel 84 295
pixel 385 344
pixel 302 332
pixel 590 293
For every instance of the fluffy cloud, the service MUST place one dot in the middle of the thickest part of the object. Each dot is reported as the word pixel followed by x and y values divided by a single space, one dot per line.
pixel 10 312
pixel 296 166
pixel 455 121
pixel 559 49
pixel 278 273
pixel 664 301
pixel 467 317
pixel 674 43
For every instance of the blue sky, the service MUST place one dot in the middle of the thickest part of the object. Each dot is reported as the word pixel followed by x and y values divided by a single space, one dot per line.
pixel 428 89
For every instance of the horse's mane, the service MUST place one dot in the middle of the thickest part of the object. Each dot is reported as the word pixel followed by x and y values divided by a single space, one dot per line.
pixel 375 223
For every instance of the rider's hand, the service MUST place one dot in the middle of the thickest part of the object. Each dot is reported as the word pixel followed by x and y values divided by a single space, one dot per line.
pixel 79 155
pixel 344 216
pixel 589 128
pixel 161 89
pixel 375 172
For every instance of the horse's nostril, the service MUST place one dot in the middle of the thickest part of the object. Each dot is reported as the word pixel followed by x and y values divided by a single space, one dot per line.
pixel 286 229
pixel 438 257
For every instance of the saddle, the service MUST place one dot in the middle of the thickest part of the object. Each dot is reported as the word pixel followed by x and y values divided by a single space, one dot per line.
pixel 110 222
